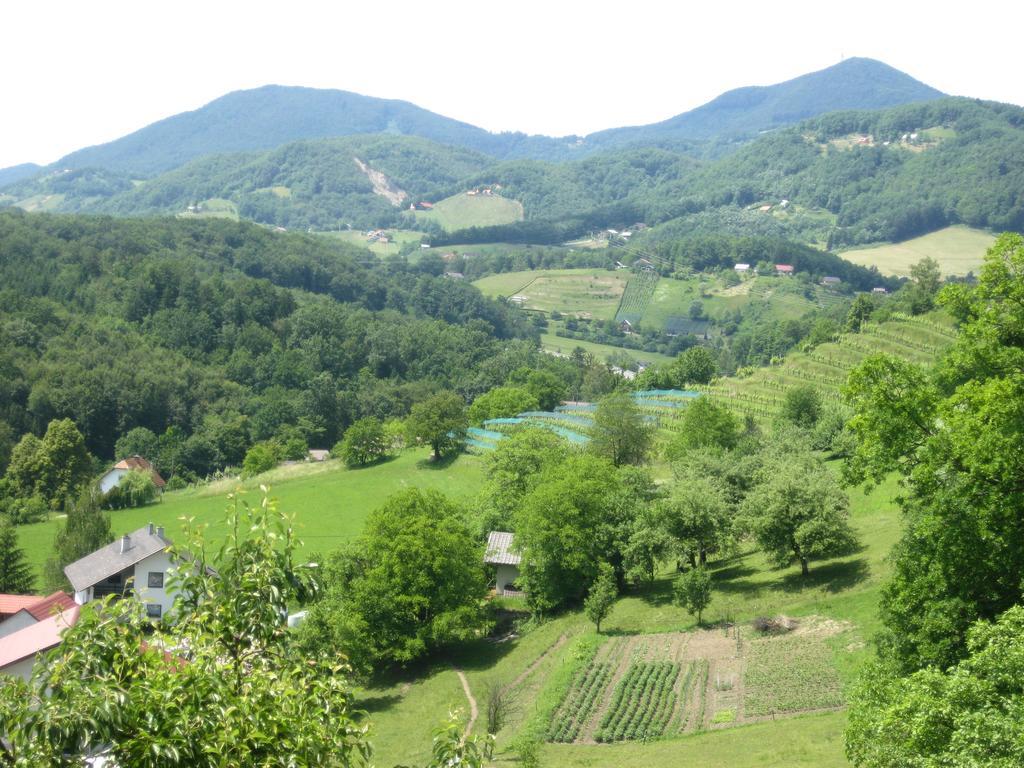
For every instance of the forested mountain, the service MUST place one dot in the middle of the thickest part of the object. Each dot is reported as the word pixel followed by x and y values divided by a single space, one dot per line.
pixel 18 172
pixel 848 178
pixel 215 334
pixel 855 83
pixel 274 115
pixel 268 117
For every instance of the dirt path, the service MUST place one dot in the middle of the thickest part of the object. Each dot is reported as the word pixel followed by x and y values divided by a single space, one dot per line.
pixel 536 662
pixel 473 711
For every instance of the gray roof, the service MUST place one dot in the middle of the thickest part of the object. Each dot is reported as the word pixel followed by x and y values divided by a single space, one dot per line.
pixel 499 549
pixel 105 562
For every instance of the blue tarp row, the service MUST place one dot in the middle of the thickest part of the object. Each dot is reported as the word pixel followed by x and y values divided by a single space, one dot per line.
pixel 510 420
pixel 557 416
pixel 667 393
pixel 484 434
pixel 568 434
pixel 649 402
pixel 480 444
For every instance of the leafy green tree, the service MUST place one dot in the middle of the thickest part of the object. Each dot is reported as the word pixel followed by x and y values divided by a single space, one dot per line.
pixel 620 433
pixel 138 441
pixel 966 716
pixel 242 696
pixel 86 528
pixel 601 596
pixel 7 443
pixel 697 517
pixel 544 385
pixel 798 511
pixel 15 575
pixel 692 591
pixel 927 279
pixel 512 468
pixel 573 518
pixel 412 583
pixel 954 434
pixel 364 443
pixel 801 405
pixel 439 421
pixel 135 489
pixel 704 424
pixel 860 312
pixel 648 544
pixel 697 365
pixel 26 466
pixel 502 402
pixel 261 458
pixel 66 464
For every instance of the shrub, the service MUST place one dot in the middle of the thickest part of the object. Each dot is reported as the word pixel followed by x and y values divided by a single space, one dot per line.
pixel 364 443
pixel 261 458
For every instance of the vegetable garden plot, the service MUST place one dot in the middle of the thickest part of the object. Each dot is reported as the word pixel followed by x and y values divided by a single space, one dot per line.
pixel 642 703
pixel 790 674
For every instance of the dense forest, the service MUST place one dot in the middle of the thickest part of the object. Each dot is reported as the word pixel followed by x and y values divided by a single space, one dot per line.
pixel 213 334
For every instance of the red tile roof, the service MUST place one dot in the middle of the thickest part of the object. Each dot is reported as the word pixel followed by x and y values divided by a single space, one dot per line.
pixel 52 605
pixel 137 462
pixel 11 604
pixel 36 638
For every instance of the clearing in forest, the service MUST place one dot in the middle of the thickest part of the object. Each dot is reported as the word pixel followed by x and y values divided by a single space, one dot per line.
pixel 583 293
pixel 958 250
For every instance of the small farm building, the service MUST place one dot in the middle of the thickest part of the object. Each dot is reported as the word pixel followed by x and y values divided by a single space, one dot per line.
pixel 501 553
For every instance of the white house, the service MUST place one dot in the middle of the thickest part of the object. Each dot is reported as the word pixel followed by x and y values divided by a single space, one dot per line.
pixel 113 476
pixel 137 563
pixel 32 610
pixel 742 267
pixel 19 650
pixel 501 552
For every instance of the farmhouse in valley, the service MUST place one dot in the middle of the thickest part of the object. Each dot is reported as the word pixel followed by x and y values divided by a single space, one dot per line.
pixel 112 478
pixel 501 553
pixel 137 563
pixel 784 269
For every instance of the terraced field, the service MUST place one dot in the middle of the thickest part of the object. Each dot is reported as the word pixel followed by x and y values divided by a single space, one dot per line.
pixel 761 394
pixel 583 293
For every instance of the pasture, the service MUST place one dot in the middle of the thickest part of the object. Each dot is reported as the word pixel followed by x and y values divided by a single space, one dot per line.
pixel 583 293
pixel 559 345
pixel 329 502
pixel 958 250
pixel 463 211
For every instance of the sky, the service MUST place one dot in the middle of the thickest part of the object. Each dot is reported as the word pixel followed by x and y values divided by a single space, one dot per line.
pixel 82 73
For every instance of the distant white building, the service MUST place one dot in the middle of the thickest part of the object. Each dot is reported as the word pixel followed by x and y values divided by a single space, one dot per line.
pixel 137 564
pixel 112 478
pixel 742 267
pixel 500 553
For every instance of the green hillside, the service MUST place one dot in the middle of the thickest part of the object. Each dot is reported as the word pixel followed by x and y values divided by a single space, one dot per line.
pixel 958 250
pixel 462 211
pixel 761 392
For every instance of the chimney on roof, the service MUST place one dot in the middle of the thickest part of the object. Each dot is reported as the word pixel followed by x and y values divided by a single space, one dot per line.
pixel 160 531
pixel 126 543
pixel 150 529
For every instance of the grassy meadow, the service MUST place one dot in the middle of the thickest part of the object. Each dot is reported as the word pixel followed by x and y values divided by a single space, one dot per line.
pixel 585 293
pixel 463 211
pixel 958 250
pixel 399 238
pixel 563 346
pixel 330 503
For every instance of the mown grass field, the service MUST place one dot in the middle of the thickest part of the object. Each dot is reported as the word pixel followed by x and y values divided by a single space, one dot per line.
pixel 586 293
pixel 958 250
pixel 563 346
pixel 330 503
pixel 214 208
pixel 462 211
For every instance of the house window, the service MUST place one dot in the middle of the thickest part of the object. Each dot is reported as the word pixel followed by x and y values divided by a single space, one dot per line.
pixel 156 580
pixel 154 610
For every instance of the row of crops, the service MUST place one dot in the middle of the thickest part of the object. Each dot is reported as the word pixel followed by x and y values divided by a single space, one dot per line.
pixel 915 339
pixel 642 704
pixel 636 298
pixel 790 674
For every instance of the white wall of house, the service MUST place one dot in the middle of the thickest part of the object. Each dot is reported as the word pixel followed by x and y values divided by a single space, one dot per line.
pixel 22 668
pixel 20 620
pixel 505 576
pixel 161 563
pixel 111 479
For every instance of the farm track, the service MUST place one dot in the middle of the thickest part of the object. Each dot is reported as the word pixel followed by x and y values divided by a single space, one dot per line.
pixel 474 712
pixel 539 660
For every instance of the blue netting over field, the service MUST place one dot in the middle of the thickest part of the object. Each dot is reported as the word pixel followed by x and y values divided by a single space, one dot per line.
pixel 649 402
pixel 484 434
pixel 581 407
pixel 480 444
pixel 672 393
pixel 568 434
pixel 509 420
pixel 581 421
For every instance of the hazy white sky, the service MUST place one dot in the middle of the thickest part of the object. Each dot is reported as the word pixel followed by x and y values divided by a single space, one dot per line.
pixel 81 73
